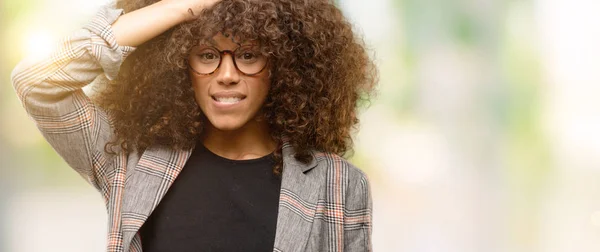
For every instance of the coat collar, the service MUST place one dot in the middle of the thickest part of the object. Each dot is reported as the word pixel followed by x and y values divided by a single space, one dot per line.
pixel 158 167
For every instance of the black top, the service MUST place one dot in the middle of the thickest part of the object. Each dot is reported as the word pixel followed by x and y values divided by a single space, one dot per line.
pixel 216 204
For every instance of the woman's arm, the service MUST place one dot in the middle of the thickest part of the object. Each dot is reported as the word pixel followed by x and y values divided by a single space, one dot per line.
pixel 50 88
pixel 139 26
pixel 50 91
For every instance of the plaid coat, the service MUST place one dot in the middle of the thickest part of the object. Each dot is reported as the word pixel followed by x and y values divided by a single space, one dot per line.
pixel 323 206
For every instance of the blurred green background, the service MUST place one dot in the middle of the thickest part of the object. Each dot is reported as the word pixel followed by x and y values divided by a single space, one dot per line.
pixel 483 136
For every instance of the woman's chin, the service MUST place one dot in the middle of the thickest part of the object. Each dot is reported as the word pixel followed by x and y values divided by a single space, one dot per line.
pixel 227 125
pixel 227 128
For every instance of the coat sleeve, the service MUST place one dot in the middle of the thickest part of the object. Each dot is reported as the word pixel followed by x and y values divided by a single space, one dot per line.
pixel 358 213
pixel 50 90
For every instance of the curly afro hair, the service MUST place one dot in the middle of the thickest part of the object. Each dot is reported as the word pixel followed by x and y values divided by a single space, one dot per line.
pixel 320 73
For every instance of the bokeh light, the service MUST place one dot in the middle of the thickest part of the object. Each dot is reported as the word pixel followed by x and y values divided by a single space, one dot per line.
pixel 38 43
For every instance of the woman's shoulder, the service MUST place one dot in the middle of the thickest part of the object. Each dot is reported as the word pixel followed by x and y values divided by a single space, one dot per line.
pixel 347 181
pixel 326 165
pixel 336 165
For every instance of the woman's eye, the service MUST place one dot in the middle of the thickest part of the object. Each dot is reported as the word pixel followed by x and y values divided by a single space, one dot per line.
pixel 208 56
pixel 248 56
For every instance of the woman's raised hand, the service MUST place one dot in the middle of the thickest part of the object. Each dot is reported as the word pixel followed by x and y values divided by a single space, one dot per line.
pixel 139 26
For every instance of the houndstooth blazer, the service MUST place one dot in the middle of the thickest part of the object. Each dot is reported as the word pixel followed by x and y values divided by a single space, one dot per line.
pixel 324 205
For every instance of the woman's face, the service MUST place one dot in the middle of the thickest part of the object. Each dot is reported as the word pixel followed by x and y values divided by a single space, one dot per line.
pixel 229 99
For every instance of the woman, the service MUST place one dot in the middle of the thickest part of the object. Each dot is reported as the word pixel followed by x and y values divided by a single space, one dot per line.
pixel 219 125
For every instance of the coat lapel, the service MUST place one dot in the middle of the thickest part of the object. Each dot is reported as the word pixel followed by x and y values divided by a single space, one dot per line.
pixel 297 202
pixel 147 185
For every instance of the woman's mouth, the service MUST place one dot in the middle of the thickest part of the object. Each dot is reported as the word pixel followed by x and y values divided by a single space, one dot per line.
pixel 227 100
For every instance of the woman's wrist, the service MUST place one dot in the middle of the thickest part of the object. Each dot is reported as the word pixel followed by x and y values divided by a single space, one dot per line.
pixel 178 9
pixel 187 10
pixel 141 25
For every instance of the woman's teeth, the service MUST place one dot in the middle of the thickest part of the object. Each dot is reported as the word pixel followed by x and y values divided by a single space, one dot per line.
pixel 228 100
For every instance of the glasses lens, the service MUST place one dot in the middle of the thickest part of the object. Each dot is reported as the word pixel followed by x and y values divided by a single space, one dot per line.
pixel 204 60
pixel 250 60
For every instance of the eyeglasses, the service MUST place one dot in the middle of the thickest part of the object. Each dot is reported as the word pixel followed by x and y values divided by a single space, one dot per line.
pixel 205 60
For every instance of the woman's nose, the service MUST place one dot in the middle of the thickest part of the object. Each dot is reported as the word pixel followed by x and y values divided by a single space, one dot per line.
pixel 228 73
